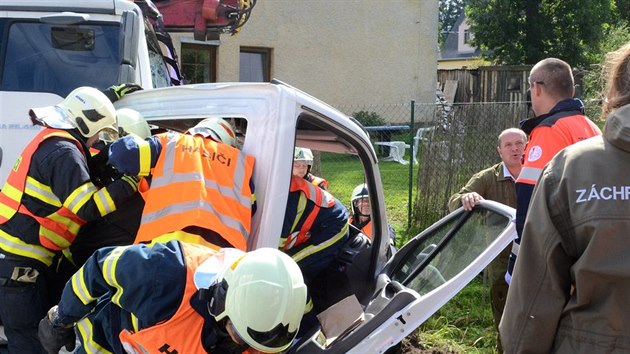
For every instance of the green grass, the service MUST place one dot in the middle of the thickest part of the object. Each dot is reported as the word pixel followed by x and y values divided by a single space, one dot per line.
pixel 464 324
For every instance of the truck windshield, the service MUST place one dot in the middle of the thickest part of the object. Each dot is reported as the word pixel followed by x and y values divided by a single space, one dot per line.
pixel 39 57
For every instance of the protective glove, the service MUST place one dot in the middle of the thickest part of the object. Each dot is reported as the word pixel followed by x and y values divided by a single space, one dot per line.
pixel 53 336
pixel 116 92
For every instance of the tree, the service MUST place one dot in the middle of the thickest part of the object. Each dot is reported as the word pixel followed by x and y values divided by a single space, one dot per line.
pixel 449 11
pixel 594 80
pixel 623 10
pixel 526 31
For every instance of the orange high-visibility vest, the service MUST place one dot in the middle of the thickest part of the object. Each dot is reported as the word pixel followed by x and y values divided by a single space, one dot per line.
pixel 182 332
pixel 319 197
pixel 366 229
pixel 318 181
pixel 198 182
pixel 546 141
pixel 57 230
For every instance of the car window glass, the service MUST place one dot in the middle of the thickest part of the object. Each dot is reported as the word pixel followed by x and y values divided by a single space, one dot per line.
pixel 441 255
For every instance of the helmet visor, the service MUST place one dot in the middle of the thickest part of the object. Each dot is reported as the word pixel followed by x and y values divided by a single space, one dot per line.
pixel 51 116
pixel 108 135
pixel 278 337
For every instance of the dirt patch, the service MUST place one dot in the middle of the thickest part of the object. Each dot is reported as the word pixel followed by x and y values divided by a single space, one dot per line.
pixel 410 345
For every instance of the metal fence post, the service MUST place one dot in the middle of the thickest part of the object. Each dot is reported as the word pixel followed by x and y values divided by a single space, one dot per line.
pixel 411 144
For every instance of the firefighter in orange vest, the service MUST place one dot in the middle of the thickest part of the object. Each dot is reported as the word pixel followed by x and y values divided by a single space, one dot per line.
pixel 302 164
pixel 361 218
pixel 178 297
pixel 198 186
pixel 314 232
pixel 46 199
pixel 315 227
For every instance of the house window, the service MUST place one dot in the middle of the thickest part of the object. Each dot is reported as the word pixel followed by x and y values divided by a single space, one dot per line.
pixel 467 37
pixel 199 63
pixel 255 65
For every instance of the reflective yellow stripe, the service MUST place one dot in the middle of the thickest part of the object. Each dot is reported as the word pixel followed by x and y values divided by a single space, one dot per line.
pixel 18 247
pixel 144 150
pixel 309 306
pixel 313 249
pixel 72 226
pixel 54 237
pixel 89 345
pixel 298 215
pixel 184 237
pixel 80 289
pixel 77 199
pixel 134 322
pixel 104 202
pixel 6 212
pixel 300 210
pixel 41 191
pixel 66 253
pixel 109 272
pixel 12 192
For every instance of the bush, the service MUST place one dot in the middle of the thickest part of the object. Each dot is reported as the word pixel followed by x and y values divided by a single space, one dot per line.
pixel 368 118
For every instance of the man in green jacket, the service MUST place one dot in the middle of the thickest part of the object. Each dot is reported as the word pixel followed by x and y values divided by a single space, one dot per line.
pixel 496 183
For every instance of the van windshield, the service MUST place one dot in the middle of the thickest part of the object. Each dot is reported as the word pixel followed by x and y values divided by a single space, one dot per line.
pixel 40 57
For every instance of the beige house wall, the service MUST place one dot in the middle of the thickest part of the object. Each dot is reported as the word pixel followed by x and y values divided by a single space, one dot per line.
pixel 345 52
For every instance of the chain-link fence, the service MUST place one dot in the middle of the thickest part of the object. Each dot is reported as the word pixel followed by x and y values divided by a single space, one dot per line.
pixel 461 140
pixel 463 143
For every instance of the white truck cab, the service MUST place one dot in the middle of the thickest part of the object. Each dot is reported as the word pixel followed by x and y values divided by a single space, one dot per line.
pixel 396 293
pixel 50 47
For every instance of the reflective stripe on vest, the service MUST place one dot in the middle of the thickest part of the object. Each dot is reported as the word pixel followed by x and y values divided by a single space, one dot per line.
pixel 319 197
pixel 320 182
pixel 182 332
pixel 57 230
pixel 13 189
pixel 18 247
pixel 198 182
pixel 529 175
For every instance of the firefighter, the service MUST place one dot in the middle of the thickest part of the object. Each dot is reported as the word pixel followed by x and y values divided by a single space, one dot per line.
pixel 315 227
pixel 361 211
pixel 302 164
pixel 176 297
pixel 314 231
pixel 121 226
pixel 46 199
pixel 198 185
pixel 361 217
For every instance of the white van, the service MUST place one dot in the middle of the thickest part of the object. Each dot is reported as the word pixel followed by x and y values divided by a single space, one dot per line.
pixel 396 292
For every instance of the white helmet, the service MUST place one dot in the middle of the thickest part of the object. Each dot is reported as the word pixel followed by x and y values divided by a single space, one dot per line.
pixel 359 192
pixel 264 295
pixel 217 129
pixel 303 154
pixel 131 121
pixel 86 109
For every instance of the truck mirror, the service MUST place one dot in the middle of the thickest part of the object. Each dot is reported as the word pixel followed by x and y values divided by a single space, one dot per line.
pixel 129 30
